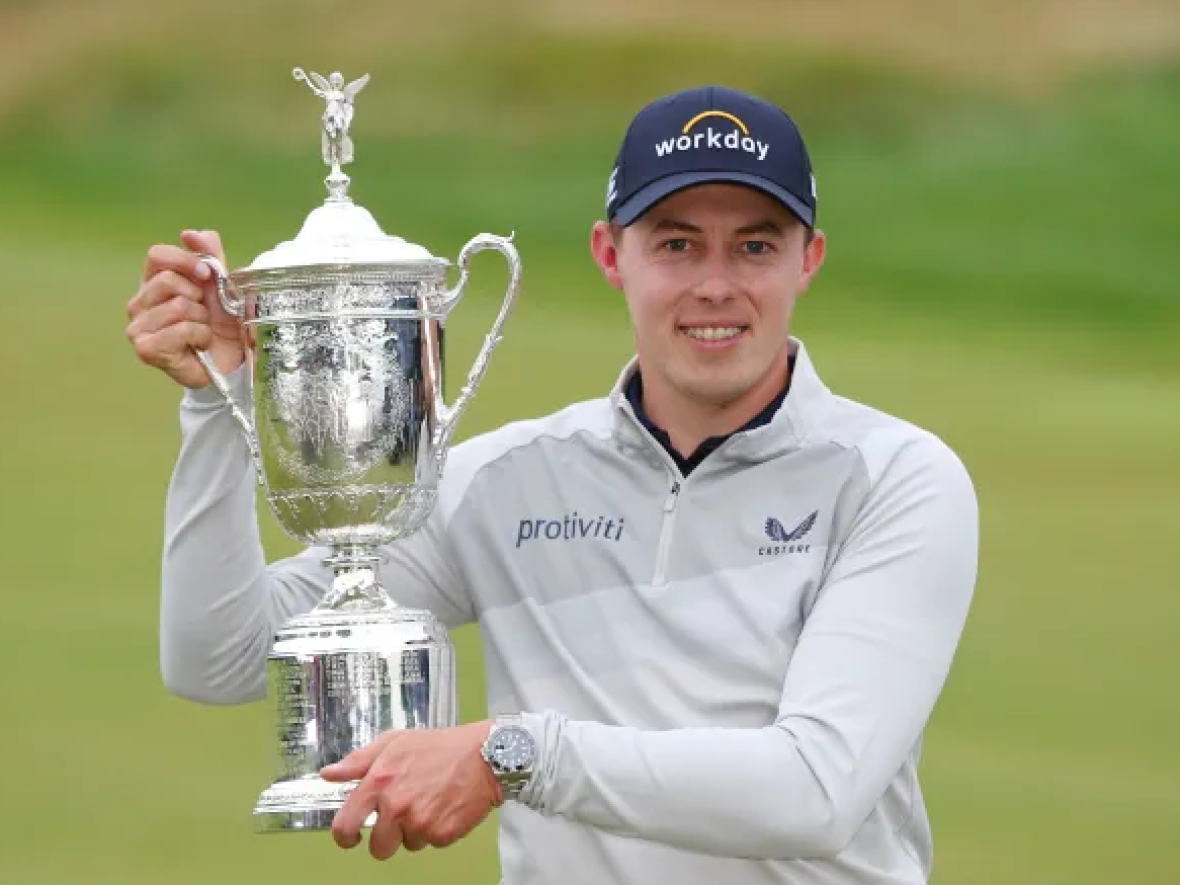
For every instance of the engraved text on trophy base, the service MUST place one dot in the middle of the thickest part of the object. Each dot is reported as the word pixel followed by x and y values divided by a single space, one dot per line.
pixel 329 704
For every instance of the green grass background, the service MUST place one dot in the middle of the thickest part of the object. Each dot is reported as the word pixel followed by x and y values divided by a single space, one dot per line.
pixel 1002 269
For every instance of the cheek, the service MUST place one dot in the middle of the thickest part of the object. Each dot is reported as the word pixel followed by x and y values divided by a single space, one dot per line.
pixel 774 309
pixel 645 311
pixel 648 302
pixel 777 298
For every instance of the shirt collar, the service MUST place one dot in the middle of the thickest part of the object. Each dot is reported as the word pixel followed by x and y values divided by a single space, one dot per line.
pixel 784 424
pixel 633 391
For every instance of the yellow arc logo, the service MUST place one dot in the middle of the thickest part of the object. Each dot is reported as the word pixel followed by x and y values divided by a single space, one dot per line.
pixel 722 114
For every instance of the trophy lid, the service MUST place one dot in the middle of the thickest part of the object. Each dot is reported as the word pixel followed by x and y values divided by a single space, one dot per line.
pixel 340 231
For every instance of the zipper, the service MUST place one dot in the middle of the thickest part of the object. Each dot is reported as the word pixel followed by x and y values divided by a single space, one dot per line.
pixel 659 579
pixel 669 522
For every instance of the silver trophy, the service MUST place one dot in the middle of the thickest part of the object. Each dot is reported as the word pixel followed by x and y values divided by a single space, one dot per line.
pixel 349 431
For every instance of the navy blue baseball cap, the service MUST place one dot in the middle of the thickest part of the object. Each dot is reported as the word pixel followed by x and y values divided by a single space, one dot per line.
pixel 710 134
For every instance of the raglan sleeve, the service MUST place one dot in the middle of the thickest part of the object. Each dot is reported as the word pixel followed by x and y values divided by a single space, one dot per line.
pixel 221 601
pixel 870 663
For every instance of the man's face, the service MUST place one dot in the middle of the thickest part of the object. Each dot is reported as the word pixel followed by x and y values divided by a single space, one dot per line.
pixel 710 277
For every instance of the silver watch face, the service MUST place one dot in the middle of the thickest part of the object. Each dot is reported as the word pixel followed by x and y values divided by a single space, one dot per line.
pixel 512 748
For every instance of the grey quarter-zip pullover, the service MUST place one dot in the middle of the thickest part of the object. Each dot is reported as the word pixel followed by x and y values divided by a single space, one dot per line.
pixel 729 674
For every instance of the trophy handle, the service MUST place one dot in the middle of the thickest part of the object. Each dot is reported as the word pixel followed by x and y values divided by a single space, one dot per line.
pixel 234 307
pixel 448 416
pixel 230 303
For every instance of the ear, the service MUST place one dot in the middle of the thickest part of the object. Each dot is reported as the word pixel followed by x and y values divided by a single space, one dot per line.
pixel 813 259
pixel 605 252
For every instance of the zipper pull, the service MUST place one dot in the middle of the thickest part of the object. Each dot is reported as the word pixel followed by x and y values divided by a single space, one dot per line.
pixel 670 501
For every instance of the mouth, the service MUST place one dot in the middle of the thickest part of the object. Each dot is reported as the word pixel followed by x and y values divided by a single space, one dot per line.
pixel 713 337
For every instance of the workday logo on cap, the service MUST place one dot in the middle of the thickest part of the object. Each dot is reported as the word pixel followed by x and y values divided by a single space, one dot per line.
pixel 734 138
pixel 710 134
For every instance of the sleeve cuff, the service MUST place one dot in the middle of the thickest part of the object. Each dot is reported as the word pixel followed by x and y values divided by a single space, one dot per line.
pixel 210 397
pixel 546 729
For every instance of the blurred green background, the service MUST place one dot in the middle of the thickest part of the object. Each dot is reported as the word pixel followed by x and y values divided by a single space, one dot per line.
pixel 1001 188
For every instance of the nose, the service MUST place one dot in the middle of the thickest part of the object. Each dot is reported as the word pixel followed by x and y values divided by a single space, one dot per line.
pixel 715 287
pixel 716 282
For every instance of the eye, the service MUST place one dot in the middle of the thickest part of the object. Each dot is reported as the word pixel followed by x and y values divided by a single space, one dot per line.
pixel 758 247
pixel 678 244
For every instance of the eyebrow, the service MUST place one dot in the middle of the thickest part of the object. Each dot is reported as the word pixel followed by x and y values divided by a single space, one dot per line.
pixel 765 226
pixel 673 224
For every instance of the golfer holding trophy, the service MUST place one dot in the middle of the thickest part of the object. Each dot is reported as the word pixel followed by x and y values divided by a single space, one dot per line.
pixel 717 604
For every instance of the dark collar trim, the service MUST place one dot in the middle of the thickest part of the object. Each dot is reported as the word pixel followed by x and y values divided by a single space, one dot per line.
pixel 634 393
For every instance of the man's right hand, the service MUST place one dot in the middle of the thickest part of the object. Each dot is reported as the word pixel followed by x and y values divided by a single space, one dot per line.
pixel 177 309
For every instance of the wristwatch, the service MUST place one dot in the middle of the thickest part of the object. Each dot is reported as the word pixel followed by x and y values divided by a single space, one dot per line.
pixel 511 751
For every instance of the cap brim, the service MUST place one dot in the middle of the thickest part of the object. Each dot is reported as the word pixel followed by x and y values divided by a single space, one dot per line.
pixel 643 199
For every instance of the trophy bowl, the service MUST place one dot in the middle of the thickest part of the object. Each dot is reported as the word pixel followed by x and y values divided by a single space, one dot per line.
pixel 348 431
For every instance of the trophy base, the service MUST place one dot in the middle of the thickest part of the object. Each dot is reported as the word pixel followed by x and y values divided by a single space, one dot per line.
pixel 340 676
pixel 304 805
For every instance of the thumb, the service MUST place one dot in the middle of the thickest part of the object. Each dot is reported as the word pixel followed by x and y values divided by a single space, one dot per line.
pixel 356 764
pixel 206 241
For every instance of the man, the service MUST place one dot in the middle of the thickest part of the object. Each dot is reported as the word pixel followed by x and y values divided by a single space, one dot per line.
pixel 723 672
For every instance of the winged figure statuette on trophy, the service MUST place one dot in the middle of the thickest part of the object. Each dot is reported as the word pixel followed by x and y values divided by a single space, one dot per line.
pixel 337 144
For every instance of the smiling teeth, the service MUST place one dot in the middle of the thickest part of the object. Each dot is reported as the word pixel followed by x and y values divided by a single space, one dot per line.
pixel 714 333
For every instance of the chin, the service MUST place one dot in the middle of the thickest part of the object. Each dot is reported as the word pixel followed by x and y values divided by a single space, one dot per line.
pixel 716 388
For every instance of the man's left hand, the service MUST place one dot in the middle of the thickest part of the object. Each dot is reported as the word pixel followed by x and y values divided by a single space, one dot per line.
pixel 428 787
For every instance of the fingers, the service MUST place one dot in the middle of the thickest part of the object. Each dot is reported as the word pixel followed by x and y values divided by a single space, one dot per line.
pixel 177 270
pixel 171 346
pixel 347 823
pixel 163 287
pixel 164 257
pixel 412 841
pixel 168 313
pixel 185 259
pixel 386 836
pixel 206 241
pixel 356 764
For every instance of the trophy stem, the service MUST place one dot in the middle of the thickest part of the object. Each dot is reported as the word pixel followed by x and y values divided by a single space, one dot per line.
pixel 337 183
pixel 355 587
